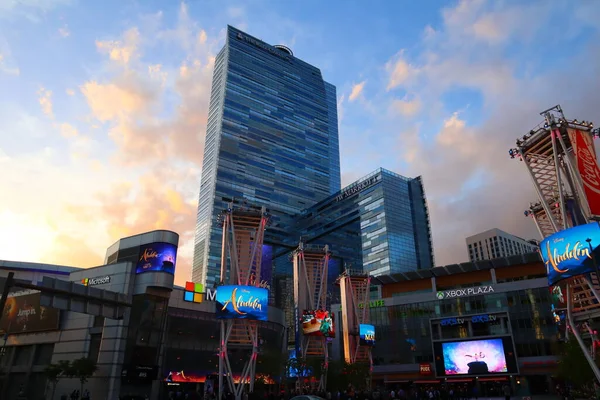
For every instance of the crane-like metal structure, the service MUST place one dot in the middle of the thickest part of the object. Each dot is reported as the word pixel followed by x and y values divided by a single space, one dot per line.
pixel 559 154
pixel 311 266
pixel 243 235
pixel 354 288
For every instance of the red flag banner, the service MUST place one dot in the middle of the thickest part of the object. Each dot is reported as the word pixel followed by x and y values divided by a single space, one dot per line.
pixel 587 164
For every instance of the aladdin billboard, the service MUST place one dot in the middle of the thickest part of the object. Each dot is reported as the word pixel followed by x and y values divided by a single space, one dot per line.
pixel 23 314
pixel 157 257
pixel 242 302
pixel 571 252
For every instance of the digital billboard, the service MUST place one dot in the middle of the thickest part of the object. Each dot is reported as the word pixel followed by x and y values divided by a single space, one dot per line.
pixel 571 252
pixel 366 334
pixel 157 257
pixel 23 314
pixel 317 323
pixel 242 302
pixel 475 357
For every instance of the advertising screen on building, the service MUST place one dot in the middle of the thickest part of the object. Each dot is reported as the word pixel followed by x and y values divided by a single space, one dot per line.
pixel 157 257
pixel 242 302
pixel 571 252
pixel 317 323
pixel 366 334
pixel 475 357
pixel 23 314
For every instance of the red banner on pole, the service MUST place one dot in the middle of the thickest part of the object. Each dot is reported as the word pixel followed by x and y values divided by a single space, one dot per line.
pixel 587 165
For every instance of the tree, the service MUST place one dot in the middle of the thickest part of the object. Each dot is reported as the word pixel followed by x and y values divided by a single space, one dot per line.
pixel 83 369
pixel 53 373
pixel 573 366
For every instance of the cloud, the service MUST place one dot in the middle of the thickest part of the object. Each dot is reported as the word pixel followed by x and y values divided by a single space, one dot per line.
pixel 7 63
pixel 357 90
pixel 45 100
pixel 470 183
pixel 64 32
pixel 33 10
pixel 406 107
pixel 70 92
pixel 121 51
pixel 68 131
pixel 400 71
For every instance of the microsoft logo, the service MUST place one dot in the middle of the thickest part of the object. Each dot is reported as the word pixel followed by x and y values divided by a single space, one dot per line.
pixel 95 281
pixel 440 295
pixel 194 293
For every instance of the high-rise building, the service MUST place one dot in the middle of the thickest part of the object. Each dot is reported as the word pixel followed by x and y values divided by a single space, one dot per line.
pixel 272 140
pixel 495 243
pixel 378 224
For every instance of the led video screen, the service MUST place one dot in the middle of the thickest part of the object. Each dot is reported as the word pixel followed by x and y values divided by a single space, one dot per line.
pixel 242 302
pixel 23 314
pixel 157 257
pixel 317 323
pixel 568 252
pixel 475 357
pixel 366 334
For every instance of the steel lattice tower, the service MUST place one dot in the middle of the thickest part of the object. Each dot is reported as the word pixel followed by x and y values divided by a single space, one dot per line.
pixel 311 265
pixel 354 288
pixel 549 153
pixel 243 234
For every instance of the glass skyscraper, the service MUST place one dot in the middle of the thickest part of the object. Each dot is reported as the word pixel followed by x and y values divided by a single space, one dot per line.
pixel 272 140
pixel 378 224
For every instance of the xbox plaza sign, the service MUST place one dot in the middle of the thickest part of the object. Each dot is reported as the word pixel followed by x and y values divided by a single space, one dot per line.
pixel 454 293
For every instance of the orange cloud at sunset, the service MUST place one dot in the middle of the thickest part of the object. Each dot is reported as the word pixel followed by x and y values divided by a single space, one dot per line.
pixel 132 165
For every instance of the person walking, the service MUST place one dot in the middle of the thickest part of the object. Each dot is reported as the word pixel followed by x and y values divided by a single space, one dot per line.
pixel 506 391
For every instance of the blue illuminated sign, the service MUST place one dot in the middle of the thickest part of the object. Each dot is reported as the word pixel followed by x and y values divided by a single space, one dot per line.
pixel 571 252
pixel 242 302
pixel 366 334
pixel 157 257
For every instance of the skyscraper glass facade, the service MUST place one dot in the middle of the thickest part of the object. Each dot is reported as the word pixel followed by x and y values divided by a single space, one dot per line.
pixel 379 224
pixel 272 140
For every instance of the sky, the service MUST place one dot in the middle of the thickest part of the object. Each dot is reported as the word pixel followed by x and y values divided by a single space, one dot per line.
pixel 103 107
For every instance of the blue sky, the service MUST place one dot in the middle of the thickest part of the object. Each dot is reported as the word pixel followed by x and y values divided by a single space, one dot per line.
pixel 103 107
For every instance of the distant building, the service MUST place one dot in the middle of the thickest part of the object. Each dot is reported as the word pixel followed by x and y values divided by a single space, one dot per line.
pixel 495 243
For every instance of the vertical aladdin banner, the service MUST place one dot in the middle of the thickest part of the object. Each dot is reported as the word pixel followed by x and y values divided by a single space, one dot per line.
pixel 571 252
pixel 587 165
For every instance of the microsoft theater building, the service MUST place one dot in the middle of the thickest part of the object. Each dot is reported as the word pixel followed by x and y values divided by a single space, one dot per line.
pixel 480 324
pixel 168 339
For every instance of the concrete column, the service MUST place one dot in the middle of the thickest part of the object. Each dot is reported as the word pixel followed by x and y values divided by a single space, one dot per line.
pixel 433 285
pixel 470 328
pixel 493 273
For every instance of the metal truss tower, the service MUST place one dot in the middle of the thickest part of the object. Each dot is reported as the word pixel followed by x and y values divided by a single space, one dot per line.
pixel 243 234
pixel 557 155
pixel 354 288
pixel 311 265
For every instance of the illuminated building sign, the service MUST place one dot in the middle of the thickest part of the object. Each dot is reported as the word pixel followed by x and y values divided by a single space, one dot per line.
pixel 451 294
pixel 263 46
pixel 571 252
pixel 95 281
pixel 157 257
pixel 357 188
pixel 194 293
pixel 475 319
pixel 425 369
pixel 242 302
pixel 373 304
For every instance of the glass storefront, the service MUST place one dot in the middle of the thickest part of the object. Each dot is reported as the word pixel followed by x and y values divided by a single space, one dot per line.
pixel 404 335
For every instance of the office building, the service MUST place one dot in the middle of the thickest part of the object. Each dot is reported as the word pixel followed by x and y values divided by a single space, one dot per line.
pixel 163 343
pixel 495 243
pixel 271 140
pixel 379 224
pixel 501 307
